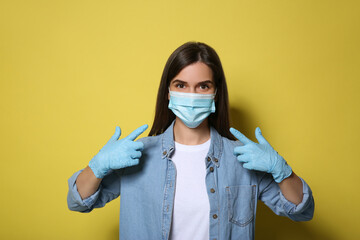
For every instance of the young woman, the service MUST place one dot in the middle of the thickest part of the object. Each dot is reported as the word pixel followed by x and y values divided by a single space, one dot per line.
pixel 190 179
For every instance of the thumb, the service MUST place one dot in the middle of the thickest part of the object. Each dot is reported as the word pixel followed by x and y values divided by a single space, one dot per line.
pixel 116 135
pixel 260 137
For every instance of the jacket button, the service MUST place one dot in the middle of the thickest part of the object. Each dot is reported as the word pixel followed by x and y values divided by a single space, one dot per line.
pixel 214 216
pixel 212 190
pixel 216 160
pixel 165 152
pixel 211 169
pixel 208 159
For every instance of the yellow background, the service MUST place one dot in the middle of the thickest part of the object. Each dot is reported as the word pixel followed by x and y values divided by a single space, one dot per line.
pixel 71 71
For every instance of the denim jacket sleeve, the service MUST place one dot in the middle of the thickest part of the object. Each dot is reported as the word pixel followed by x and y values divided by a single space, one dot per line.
pixel 108 190
pixel 271 195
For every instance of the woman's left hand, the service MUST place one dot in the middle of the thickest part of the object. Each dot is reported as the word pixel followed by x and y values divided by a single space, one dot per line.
pixel 260 156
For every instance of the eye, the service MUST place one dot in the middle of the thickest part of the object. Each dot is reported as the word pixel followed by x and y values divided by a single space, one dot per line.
pixel 179 85
pixel 204 86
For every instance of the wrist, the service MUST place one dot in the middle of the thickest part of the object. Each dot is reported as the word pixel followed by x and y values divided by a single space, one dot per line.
pixel 281 170
pixel 98 171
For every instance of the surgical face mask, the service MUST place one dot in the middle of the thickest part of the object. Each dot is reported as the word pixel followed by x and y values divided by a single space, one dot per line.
pixel 192 108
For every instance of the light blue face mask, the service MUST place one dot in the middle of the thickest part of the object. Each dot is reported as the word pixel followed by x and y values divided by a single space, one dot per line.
pixel 192 108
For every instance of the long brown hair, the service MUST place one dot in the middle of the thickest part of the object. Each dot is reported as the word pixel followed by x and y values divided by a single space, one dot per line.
pixel 187 54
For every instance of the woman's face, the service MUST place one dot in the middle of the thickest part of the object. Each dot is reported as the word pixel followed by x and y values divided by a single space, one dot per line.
pixel 195 78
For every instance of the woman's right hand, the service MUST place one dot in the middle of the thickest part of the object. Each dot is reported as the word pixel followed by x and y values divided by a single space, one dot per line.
pixel 117 153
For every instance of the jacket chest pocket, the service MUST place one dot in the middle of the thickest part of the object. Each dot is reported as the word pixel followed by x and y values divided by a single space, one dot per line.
pixel 241 203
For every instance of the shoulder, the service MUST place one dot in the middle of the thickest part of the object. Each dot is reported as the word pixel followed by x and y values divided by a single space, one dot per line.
pixel 223 144
pixel 230 144
pixel 150 141
pixel 228 148
pixel 219 139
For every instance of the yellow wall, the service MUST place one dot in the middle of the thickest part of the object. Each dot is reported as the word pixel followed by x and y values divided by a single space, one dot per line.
pixel 72 70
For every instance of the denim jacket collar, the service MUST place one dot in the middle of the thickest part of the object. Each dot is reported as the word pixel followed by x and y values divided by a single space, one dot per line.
pixel 214 153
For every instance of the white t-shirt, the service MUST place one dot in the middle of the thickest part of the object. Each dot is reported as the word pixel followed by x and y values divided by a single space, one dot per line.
pixel 191 205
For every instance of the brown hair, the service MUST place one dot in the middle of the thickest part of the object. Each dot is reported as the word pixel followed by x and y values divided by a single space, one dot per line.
pixel 187 54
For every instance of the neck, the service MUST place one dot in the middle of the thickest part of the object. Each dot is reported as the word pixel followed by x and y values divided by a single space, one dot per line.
pixel 191 136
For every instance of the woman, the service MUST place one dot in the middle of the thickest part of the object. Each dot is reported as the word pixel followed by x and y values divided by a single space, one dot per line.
pixel 189 179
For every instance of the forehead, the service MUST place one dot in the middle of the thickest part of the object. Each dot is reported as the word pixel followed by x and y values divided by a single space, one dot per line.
pixel 196 72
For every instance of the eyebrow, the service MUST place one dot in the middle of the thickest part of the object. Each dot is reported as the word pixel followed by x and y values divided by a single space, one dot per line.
pixel 180 81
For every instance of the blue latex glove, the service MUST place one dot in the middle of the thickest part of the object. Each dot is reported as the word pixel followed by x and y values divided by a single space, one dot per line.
pixel 260 156
pixel 118 154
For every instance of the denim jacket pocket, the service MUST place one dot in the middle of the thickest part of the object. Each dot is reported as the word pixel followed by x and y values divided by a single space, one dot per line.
pixel 241 203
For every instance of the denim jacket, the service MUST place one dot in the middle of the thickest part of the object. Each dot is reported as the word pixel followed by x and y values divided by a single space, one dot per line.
pixel 147 192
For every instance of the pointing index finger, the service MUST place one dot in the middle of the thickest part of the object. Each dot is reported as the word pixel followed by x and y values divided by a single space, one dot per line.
pixel 240 136
pixel 137 132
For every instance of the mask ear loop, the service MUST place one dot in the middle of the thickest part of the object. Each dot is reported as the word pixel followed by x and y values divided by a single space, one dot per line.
pixel 215 95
